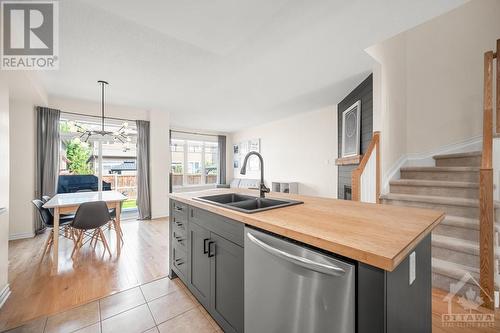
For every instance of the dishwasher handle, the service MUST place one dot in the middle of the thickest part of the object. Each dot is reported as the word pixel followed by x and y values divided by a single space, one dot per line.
pixel 301 261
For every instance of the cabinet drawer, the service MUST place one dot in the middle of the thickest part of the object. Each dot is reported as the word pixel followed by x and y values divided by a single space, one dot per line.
pixel 179 240
pixel 179 225
pixel 227 228
pixel 179 258
pixel 180 210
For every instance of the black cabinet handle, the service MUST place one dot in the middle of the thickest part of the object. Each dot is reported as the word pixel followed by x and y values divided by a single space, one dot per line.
pixel 205 251
pixel 210 252
pixel 178 208
pixel 179 262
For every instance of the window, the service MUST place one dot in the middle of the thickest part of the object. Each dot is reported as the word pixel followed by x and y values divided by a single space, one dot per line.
pixel 177 168
pixel 194 162
pixel 118 167
pixel 211 162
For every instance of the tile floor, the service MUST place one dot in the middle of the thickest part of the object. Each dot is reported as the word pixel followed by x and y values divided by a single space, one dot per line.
pixel 160 306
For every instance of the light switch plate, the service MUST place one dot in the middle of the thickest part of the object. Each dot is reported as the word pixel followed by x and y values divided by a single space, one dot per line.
pixel 413 268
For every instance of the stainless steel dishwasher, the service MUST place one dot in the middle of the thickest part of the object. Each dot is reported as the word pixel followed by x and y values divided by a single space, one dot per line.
pixel 291 288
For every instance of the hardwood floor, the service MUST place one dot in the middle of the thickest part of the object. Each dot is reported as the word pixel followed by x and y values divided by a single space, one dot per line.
pixel 90 276
pixel 35 293
pixel 440 307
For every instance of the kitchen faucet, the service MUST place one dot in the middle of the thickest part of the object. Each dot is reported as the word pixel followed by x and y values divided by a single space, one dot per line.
pixel 262 188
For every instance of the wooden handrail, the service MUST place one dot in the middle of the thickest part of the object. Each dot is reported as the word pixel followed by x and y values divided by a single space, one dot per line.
pixel 356 173
pixel 486 244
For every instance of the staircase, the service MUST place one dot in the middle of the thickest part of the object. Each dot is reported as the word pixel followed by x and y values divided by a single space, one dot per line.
pixel 451 186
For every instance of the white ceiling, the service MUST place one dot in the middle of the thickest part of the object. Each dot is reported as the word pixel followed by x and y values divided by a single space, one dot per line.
pixel 225 64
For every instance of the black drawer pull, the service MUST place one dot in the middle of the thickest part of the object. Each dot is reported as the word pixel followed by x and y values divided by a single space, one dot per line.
pixel 179 262
pixel 179 208
pixel 205 251
pixel 211 252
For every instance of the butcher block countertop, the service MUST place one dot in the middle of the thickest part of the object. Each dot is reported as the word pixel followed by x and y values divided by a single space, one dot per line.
pixel 377 235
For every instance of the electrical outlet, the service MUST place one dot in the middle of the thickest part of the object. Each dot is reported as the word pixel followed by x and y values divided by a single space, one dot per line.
pixel 413 268
pixel 497 299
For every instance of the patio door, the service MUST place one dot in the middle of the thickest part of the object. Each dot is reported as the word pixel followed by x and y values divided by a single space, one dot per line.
pixel 111 164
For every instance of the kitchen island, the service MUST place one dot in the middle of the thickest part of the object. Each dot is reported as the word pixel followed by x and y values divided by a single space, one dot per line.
pixel 389 247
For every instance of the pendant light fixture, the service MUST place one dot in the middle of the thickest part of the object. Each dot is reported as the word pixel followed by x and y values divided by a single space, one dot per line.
pixel 120 135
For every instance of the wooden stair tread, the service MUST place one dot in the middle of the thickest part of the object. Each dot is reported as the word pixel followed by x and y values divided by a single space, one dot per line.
pixel 435 183
pixel 458 155
pixel 439 169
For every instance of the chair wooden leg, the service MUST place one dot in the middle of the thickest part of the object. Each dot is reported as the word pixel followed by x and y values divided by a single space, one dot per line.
pixel 103 238
pixel 72 234
pixel 118 230
pixel 48 242
pixel 95 238
pixel 77 243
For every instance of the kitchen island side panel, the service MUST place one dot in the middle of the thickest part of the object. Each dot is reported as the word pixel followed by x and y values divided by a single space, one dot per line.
pixel 370 299
pixel 409 307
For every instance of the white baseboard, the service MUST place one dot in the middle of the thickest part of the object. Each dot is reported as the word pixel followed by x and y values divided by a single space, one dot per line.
pixel 4 294
pixel 21 235
pixel 425 159
pixel 159 217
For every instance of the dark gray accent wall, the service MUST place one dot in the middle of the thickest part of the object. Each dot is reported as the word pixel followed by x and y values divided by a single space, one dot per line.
pixel 363 92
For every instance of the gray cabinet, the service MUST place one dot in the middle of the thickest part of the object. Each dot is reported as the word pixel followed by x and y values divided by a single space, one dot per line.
pixel 199 265
pixel 226 301
pixel 206 253
pixel 178 255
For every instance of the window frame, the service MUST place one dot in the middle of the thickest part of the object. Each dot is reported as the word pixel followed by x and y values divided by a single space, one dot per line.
pixel 185 174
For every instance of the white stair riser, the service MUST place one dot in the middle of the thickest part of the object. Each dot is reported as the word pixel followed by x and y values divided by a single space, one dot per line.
pixel 457 232
pixel 463 176
pixel 439 191
pixel 451 255
pixel 464 211
pixel 471 161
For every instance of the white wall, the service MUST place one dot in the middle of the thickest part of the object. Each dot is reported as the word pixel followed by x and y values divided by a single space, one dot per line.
pixel 22 164
pixel 159 162
pixel 428 84
pixel 389 88
pixel 4 185
pixel 25 94
pixel 445 75
pixel 94 108
pixel 300 148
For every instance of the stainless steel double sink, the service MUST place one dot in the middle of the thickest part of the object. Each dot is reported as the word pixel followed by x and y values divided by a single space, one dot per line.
pixel 246 203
